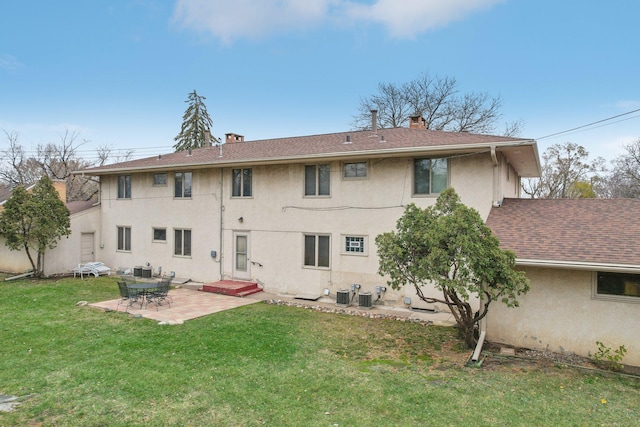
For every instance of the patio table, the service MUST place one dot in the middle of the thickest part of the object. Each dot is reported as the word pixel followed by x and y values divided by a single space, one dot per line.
pixel 141 292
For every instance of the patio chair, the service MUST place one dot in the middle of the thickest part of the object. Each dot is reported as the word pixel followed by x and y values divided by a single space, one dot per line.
pixel 161 293
pixel 127 295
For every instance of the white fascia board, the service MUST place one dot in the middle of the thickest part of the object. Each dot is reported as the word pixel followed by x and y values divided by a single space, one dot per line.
pixel 575 265
pixel 387 152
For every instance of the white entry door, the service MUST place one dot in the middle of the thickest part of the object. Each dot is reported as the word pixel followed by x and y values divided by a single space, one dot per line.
pixel 86 248
pixel 241 261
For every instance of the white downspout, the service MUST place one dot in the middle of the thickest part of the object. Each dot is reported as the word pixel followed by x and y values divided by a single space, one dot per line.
pixel 483 333
pixel 497 193
pixel 221 224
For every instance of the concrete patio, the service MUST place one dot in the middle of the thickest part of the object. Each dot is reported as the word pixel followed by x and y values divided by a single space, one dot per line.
pixel 187 304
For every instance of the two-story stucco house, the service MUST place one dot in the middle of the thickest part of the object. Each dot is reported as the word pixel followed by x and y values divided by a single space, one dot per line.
pixel 296 215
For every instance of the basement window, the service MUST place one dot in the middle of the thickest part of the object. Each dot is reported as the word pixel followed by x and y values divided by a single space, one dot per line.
pixel 618 286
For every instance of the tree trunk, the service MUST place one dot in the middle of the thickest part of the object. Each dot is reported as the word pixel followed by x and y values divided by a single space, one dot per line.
pixel 468 334
pixel 33 264
pixel 40 270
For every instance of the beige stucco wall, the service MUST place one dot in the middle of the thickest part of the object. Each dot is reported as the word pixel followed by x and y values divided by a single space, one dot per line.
pixel 154 206
pixel 61 259
pixel 66 255
pixel 560 314
pixel 13 261
pixel 275 219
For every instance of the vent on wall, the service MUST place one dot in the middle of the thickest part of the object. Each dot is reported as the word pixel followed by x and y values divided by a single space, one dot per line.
pixel 365 300
pixel 343 297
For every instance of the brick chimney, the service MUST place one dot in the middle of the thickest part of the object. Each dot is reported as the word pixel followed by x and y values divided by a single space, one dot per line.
pixel 374 121
pixel 417 122
pixel 232 138
pixel 207 138
pixel 61 188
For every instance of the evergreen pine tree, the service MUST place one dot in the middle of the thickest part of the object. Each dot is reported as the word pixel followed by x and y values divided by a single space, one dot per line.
pixel 195 122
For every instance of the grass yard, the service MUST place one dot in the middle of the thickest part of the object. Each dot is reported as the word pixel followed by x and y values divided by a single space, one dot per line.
pixel 269 365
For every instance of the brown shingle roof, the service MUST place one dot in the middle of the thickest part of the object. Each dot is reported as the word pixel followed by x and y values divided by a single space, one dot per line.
pixel 5 193
pixel 79 206
pixel 593 231
pixel 362 143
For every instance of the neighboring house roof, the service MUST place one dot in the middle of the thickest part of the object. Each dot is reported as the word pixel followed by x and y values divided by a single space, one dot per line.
pixel 74 207
pixel 579 233
pixel 521 153
pixel 79 206
pixel 5 193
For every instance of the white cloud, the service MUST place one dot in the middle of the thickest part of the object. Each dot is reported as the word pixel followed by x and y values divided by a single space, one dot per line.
pixel 230 20
pixel 627 104
pixel 9 62
pixel 408 18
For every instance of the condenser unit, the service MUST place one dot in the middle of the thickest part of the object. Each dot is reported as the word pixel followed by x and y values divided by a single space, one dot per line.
pixel 343 296
pixel 365 300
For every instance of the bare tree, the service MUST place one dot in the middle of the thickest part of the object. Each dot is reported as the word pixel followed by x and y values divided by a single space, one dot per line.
pixel 56 161
pixel 438 101
pixel 624 178
pixel 16 167
pixel 567 173
pixel 514 128
pixel 106 154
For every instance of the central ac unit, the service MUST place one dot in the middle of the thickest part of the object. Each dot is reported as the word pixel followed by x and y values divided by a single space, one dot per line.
pixel 365 300
pixel 343 297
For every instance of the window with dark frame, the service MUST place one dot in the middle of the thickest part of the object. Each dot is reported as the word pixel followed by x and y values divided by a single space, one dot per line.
pixel 316 250
pixel 355 170
pixel 124 186
pixel 159 234
pixel 317 180
pixel 124 239
pixel 183 182
pixel 182 242
pixel 159 179
pixel 430 176
pixel 242 183
pixel 618 284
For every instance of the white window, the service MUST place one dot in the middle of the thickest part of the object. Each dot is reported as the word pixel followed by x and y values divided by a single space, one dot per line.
pixel 316 250
pixel 317 180
pixel 241 183
pixel 183 184
pixel 430 176
pixel 617 286
pixel 124 186
pixel 124 239
pixel 182 242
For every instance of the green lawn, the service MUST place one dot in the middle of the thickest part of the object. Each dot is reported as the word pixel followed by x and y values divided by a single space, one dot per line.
pixel 269 365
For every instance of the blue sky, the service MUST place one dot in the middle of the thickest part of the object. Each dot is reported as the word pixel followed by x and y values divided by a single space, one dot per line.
pixel 119 71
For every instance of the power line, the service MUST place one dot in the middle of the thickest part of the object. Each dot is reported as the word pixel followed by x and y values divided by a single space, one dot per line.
pixel 591 124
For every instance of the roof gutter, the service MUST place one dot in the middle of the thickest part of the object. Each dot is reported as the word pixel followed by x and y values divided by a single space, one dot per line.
pixel 387 152
pixel 576 265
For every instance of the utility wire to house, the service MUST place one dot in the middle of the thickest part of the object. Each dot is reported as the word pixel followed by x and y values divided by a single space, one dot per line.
pixel 588 125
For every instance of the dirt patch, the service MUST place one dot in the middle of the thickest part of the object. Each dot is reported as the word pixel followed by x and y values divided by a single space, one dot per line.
pixel 541 359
